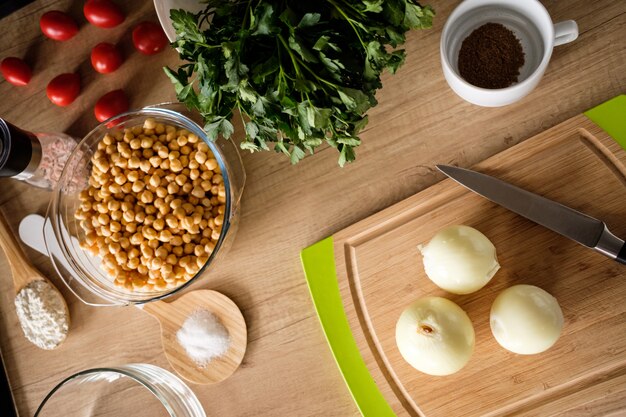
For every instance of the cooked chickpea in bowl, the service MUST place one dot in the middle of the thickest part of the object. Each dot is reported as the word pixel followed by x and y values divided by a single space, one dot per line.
pixel 155 204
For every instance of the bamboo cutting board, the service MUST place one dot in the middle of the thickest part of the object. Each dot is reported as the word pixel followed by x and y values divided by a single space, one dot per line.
pixel 379 272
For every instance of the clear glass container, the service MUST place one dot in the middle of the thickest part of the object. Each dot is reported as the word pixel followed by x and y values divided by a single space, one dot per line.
pixel 81 271
pixel 137 390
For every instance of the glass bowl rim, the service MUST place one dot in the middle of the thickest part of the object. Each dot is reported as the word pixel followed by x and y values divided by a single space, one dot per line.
pixel 131 371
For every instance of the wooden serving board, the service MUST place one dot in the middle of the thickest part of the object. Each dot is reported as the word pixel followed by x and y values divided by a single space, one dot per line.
pixel 379 272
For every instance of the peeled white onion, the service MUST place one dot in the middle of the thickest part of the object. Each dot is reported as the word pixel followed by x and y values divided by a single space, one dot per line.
pixel 460 259
pixel 435 336
pixel 526 319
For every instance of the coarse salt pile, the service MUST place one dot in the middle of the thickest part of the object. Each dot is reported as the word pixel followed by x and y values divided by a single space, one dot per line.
pixel 203 337
pixel 43 314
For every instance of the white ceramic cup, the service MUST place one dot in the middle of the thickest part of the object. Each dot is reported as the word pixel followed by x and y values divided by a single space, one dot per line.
pixel 531 24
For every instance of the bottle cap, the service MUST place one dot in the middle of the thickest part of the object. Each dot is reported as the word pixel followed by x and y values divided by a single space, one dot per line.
pixel 20 151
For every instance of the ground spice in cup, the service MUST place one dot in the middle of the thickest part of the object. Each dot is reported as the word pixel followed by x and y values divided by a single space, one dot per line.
pixel 491 57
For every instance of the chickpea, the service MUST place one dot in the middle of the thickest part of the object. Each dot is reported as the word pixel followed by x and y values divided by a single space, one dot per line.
pixel 158 224
pixel 211 164
pixel 128 215
pixel 115 226
pixel 164 210
pixel 114 247
pixel 149 123
pixel 121 258
pixel 156 263
pixel 138 186
pixel 149 233
pixel 137 238
pixel 147 153
pixel 161 192
pixel 173 188
pixel 206 186
pixel 203 147
pixel 146 196
pixel 201 157
pixel 219 220
pixel 133 253
pixel 155 161
pixel 186 223
pixel 198 250
pixel 161 252
pixel 180 180
pixel 179 213
pixel 154 180
pixel 135 143
pixel 145 166
pixel 167 270
pixel 209 247
pixel 198 192
pixel 188 208
pixel 188 248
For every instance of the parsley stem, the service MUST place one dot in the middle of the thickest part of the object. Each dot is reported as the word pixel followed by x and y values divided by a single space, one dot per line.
pixel 291 55
pixel 350 21
pixel 295 60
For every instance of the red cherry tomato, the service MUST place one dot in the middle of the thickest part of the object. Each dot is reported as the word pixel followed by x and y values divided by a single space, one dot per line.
pixel 58 25
pixel 15 71
pixel 106 58
pixel 103 13
pixel 111 104
pixel 149 38
pixel 63 89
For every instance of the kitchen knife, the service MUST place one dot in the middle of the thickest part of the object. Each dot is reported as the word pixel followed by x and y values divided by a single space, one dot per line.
pixel 568 222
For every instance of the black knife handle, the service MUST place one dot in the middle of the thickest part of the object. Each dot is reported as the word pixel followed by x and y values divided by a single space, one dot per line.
pixel 621 256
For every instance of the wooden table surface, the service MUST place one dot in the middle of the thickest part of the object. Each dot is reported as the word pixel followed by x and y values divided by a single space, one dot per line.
pixel 288 369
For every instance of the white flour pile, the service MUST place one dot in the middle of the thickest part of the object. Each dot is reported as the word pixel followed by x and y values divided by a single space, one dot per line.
pixel 203 337
pixel 43 314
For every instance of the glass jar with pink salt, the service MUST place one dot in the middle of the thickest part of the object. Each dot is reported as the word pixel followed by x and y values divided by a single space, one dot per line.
pixel 36 158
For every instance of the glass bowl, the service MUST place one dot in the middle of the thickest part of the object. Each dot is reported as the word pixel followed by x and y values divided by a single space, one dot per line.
pixel 130 390
pixel 77 267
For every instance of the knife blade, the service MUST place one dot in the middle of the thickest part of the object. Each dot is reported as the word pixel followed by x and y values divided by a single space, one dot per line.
pixel 584 229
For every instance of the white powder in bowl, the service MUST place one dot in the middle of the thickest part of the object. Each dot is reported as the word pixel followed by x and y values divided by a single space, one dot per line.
pixel 203 337
pixel 43 314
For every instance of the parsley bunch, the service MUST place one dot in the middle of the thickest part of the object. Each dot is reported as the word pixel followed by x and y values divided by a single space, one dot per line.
pixel 300 73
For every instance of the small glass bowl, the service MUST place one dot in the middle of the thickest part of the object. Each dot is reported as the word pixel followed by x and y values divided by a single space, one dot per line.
pixel 78 268
pixel 129 390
